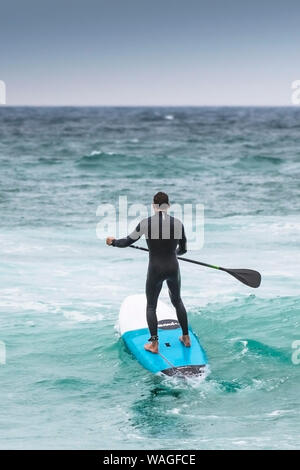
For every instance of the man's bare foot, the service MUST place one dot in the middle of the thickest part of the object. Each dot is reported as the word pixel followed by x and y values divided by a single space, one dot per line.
pixel 152 347
pixel 185 339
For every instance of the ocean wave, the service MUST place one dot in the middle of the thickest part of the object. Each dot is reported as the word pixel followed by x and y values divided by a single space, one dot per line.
pixel 98 157
pixel 258 348
pixel 253 161
pixel 78 317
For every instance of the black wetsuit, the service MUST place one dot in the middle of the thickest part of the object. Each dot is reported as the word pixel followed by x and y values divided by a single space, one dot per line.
pixel 165 239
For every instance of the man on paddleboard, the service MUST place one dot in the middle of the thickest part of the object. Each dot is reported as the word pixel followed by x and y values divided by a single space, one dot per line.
pixel 166 239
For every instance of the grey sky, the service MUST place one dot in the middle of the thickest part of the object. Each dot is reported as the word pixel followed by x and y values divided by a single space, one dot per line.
pixel 137 52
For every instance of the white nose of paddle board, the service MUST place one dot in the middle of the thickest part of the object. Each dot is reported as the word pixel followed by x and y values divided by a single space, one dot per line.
pixel 173 358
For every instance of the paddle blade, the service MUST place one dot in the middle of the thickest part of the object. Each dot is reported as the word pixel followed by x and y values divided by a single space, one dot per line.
pixel 246 276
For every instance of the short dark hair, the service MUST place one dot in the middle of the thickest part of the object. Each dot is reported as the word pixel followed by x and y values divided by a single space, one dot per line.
pixel 161 198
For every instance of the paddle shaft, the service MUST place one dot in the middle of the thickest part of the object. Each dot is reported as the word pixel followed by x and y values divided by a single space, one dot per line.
pixel 247 276
pixel 185 259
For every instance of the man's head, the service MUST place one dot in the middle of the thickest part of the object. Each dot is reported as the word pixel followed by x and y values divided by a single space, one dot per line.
pixel 161 201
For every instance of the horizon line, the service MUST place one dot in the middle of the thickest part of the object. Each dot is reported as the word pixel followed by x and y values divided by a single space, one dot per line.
pixel 148 106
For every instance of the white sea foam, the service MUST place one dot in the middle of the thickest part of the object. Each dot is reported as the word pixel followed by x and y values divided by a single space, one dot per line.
pixel 279 412
pixel 20 302
pixel 77 316
pixel 245 348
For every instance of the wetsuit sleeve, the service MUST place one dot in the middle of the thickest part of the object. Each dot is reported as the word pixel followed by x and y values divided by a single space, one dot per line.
pixel 130 239
pixel 182 248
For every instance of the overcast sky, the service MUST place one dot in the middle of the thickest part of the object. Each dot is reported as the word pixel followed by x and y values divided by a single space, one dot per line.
pixel 149 52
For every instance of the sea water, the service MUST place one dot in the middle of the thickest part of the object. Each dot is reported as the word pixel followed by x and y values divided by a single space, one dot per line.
pixel 66 379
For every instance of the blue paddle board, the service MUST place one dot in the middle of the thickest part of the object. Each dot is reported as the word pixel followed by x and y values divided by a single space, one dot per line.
pixel 173 357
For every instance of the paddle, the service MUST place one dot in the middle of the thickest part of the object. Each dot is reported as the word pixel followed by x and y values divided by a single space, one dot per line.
pixel 246 276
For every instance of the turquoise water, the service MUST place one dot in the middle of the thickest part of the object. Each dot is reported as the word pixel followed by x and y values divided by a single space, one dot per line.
pixel 68 381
